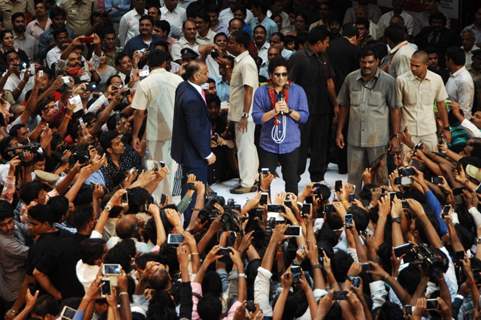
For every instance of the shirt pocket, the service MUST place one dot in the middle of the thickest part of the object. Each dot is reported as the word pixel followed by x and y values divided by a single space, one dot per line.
pixel 374 100
pixel 427 97
pixel 355 98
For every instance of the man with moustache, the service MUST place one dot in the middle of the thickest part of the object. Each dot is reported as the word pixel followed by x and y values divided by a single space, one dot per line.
pixel 367 95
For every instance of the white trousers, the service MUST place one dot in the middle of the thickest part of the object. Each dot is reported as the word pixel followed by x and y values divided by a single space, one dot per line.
pixel 160 151
pixel 247 154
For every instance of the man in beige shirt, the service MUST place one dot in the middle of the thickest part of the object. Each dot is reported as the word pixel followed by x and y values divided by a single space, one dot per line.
pixel 416 93
pixel 156 94
pixel 243 82
pixel 78 15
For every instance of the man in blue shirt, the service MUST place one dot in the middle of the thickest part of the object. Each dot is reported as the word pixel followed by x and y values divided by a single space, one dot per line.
pixel 280 107
pixel 144 39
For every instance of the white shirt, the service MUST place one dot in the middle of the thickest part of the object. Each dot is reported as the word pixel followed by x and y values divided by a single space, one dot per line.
pixel 385 19
pixel 13 81
pixel 86 273
pixel 226 15
pixel 460 88
pixel 401 58
pixel 213 68
pixel 175 17
pixel 156 94
pixel 469 56
pixel 129 26
pixel 181 44
pixel 53 56
pixel 207 39
pixel 34 28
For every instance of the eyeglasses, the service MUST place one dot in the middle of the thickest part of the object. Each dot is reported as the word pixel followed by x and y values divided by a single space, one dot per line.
pixel 284 74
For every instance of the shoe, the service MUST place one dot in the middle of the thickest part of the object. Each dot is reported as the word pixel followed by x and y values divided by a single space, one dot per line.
pixel 241 190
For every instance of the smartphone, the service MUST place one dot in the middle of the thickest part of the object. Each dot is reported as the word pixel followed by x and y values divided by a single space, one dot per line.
pixel 309 199
pixel 225 252
pixel 125 197
pixel 275 208
pixel 356 281
pixel 348 220
pixel 446 209
pixel 296 273
pixel 403 181
pixel 457 191
pixel 265 171
pixel 66 80
pixel 352 197
pixel 408 310
pixel 264 198
pixel 111 269
pixel 306 209
pixel 67 313
pixel 365 267
pixel 407 171
pixel 402 249
pixel 338 185
pixel 405 204
pixel 293 231
pixel 436 180
pixel 175 239
pixel 40 73
pixel 458 256
pixel 275 215
pixel 432 304
pixel 250 306
pixel 105 287
pixel 340 295
pixel 77 102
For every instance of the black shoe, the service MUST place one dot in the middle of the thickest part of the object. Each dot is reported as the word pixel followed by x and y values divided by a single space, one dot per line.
pixel 242 190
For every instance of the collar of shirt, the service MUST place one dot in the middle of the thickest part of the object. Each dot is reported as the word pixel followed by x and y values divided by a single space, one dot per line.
pixel 17 36
pixel 265 46
pixel 399 46
pixel 428 77
pixel 172 11
pixel 158 70
pixel 241 56
pixel 183 40
pixel 458 72
pixel 197 87
pixel 376 75
pixel 309 51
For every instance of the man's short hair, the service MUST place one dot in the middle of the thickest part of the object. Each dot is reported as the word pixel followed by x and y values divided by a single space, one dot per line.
pixel 220 34
pixel 91 250
pixel 456 54
pixel 349 30
pixel 317 34
pixel 201 14
pixel 16 15
pixel 163 25
pixel 157 58
pixel 57 12
pixel 241 37
pixel 438 16
pixel 147 17
pixel 367 52
pixel 57 32
pixel 423 55
pixel 106 139
pixel 6 210
pixel 395 33
pixel 41 213
pixel 260 26
pixel 277 62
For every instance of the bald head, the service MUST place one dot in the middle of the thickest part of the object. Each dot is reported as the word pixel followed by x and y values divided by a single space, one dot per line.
pixel 422 56
pixel 126 227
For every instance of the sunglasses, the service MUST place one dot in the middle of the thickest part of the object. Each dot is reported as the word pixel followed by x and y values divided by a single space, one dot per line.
pixel 284 74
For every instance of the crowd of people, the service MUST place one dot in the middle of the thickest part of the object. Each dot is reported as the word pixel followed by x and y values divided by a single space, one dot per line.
pixel 117 116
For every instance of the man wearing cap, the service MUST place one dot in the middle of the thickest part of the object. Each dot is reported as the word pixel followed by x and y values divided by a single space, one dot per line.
pixel 187 55
pixel 156 94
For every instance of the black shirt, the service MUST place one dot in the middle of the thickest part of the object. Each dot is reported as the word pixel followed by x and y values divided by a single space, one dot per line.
pixel 56 254
pixel 311 72
pixel 344 58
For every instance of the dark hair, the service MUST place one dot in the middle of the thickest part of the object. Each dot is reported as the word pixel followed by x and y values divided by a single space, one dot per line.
pixel 277 34
pixel 41 213
pixel 341 262
pixel 161 307
pixel 437 16
pixel 209 307
pixel 220 34
pixel 259 26
pixel 59 31
pixel 6 210
pixel 201 14
pixel 13 132
pixel 239 6
pixel 46 304
pixel 456 55
pixel 363 21
pixel 395 33
pixel 122 253
pixel 147 17
pixel 56 12
pixel 317 34
pixel 81 217
pixel 409 277
pixel 367 52
pixel 4 32
pixel 390 311
pixel 58 206
pixel 31 190
pixel 277 62
pixel 157 58
pixel 119 57
pixel 91 250
pixel 431 50
pixel 106 139
pixel 241 37
pixel 16 15
pixel 191 69
pixel 263 5
pixel 212 98
pixel 164 25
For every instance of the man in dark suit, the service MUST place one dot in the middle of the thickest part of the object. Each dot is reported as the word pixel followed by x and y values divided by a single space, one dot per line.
pixel 191 134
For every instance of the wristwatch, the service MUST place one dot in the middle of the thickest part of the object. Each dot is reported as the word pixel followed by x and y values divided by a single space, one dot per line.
pixel 397 220
pixel 245 115
pixel 108 207
pixel 478 241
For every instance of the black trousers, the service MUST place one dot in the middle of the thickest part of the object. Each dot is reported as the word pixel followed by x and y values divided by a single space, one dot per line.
pixel 315 139
pixel 288 162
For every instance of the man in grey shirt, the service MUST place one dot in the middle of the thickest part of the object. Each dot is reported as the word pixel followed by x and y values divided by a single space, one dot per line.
pixel 13 254
pixel 368 96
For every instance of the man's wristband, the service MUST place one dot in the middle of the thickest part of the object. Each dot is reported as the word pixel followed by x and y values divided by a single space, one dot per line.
pixel 242 275
pixel 316 266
